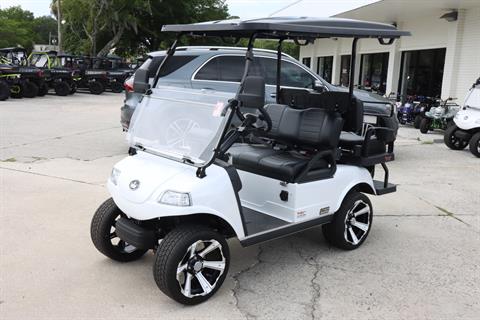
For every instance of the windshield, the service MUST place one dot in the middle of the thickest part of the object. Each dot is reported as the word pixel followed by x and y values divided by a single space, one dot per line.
pixel 180 124
pixel 38 60
pixel 473 98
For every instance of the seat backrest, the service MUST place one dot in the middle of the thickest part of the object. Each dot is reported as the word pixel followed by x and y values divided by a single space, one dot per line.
pixel 313 127
pixel 354 117
pixel 253 93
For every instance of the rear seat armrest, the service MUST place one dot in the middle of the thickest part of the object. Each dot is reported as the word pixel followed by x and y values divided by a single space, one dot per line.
pixel 368 136
pixel 329 155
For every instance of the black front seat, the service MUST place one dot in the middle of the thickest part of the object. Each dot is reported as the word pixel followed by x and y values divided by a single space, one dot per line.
pixel 316 131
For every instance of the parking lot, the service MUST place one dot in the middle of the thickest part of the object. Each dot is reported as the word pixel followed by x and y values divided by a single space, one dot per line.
pixel 421 260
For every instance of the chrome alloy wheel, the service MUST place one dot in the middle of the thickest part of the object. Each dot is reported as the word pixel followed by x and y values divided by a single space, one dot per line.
pixel 357 222
pixel 200 268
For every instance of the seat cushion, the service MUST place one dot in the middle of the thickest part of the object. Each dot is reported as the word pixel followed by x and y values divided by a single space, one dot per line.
pixel 349 139
pixel 277 164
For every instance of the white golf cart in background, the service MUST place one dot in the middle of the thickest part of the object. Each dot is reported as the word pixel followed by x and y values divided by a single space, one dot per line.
pixel 466 131
pixel 194 178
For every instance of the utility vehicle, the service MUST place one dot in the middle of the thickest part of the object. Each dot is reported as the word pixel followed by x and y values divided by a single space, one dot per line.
pixel 32 78
pixel 57 77
pixel 85 78
pixel 193 179
pixel 466 130
pixel 439 117
pixel 10 83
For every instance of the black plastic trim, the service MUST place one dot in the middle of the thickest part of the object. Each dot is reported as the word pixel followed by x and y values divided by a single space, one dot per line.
pixel 284 231
pixel 139 237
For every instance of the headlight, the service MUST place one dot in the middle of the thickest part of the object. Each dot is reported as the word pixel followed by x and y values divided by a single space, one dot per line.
pixel 115 175
pixel 175 198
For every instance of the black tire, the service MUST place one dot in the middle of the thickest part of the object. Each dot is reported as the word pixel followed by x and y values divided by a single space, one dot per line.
pixel 116 87
pixel 102 234
pixel 62 88
pixel 73 88
pixel 31 90
pixel 416 122
pixel 424 125
pixel 338 233
pixel 452 141
pixel 43 90
pixel 4 91
pixel 17 90
pixel 96 87
pixel 173 251
pixel 474 145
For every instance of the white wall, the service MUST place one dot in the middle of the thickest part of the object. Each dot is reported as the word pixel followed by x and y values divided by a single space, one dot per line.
pixel 461 38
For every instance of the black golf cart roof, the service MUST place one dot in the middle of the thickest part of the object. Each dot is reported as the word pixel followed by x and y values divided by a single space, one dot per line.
pixel 290 27
pixel 13 49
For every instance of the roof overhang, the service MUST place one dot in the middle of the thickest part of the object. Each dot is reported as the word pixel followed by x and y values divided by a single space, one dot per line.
pixel 290 28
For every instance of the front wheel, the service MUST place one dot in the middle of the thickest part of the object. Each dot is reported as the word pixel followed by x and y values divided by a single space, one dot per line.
pixel 116 87
pixel 191 264
pixel 62 88
pixel 31 90
pixel 351 223
pixel 4 90
pixel 452 141
pixel 96 87
pixel 416 122
pixel 475 145
pixel 424 125
pixel 104 237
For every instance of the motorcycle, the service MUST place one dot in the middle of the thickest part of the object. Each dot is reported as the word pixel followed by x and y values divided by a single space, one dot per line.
pixel 440 117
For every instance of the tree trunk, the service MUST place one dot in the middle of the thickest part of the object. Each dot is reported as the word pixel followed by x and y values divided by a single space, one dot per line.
pixel 112 43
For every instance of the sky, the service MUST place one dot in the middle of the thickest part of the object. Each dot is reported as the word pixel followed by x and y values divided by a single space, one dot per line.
pixel 245 9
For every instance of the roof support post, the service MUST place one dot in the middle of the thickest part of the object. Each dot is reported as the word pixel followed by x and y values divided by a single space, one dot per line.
pixel 279 69
pixel 248 61
pixel 352 67
pixel 170 52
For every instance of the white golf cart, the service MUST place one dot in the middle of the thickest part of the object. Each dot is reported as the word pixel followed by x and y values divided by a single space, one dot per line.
pixel 466 130
pixel 194 179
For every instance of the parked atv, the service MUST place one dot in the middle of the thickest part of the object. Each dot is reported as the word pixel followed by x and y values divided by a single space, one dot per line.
pixel 466 130
pixel 117 71
pixel 424 105
pixel 440 117
pixel 85 78
pixel 10 79
pixel 32 79
pixel 57 77
pixel 405 113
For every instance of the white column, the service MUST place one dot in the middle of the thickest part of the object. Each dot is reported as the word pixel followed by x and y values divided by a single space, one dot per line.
pixel 450 70
pixel 336 62
pixel 394 66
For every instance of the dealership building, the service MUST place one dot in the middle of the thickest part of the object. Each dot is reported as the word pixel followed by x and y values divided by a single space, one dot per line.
pixel 441 58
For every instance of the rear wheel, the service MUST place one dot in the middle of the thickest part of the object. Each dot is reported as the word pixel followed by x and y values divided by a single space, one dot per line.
pixel 475 145
pixel 43 90
pixel 116 87
pixel 96 87
pixel 351 223
pixel 424 125
pixel 73 88
pixel 416 122
pixel 452 141
pixel 31 90
pixel 62 88
pixel 191 263
pixel 17 90
pixel 104 237
pixel 4 90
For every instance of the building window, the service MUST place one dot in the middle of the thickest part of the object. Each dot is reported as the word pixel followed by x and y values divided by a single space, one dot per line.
pixel 325 67
pixel 307 61
pixel 373 72
pixel 422 72
pixel 345 70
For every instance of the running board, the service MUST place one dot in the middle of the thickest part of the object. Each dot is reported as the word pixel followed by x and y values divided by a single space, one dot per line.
pixel 283 231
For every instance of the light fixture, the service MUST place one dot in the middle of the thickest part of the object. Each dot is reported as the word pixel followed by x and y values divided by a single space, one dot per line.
pixel 450 16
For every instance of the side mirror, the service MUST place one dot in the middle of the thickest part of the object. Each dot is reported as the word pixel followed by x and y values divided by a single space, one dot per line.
pixel 318 86
pixel 141 81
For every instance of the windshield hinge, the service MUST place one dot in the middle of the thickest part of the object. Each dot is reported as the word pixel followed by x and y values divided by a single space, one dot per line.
pixel 201 173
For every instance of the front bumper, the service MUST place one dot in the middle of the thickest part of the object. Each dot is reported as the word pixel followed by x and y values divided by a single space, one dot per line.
pixel 132 233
